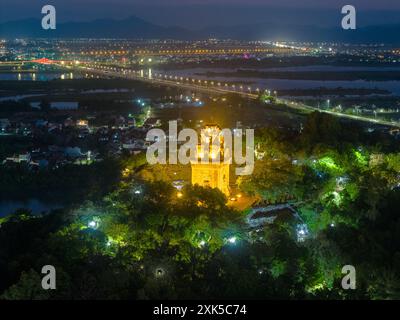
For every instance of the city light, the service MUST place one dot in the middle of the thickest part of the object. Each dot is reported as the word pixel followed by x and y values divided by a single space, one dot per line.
pixel 126 172
pixel 232 240
pixel 159 272
pixel 93 224
pixel 118 128
pixel 302 232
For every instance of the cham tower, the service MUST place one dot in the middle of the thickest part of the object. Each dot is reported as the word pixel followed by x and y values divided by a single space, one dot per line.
pixel 211 171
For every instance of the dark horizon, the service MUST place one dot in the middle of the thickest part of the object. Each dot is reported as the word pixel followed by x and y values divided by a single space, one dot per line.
pixel 194 16
pixel 137 28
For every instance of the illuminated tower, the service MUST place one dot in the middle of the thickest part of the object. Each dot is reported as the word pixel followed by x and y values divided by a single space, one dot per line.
pixel 214 173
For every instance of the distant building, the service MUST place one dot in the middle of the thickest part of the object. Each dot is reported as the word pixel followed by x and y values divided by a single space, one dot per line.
pixel 261 216
pixel 73 152
pixel 68 122
pixel 4 124
pixel 134 145
pixel 22 158
pixel 152 122
pixel 41 123
pixel 395 132
pixel 82 123
pixel 376 159
pixel 64 105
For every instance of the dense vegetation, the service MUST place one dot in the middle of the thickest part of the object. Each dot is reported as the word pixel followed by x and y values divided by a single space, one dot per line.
pixel 142 241
pixel 65 184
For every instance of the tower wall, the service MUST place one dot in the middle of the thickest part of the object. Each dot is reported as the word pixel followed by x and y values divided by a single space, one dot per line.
pixel 214 175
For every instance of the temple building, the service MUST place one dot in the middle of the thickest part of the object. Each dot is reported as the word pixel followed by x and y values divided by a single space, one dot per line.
pixel 211 172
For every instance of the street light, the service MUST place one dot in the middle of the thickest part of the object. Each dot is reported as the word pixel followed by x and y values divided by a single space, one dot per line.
pixel 160 272
pixel 92 224
pixel 232 240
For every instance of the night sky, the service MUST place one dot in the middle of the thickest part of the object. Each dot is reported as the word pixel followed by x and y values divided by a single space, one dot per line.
pixel 201 13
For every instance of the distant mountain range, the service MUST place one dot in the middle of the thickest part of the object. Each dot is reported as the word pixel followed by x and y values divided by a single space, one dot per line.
pixel 136 28
pixel 131 28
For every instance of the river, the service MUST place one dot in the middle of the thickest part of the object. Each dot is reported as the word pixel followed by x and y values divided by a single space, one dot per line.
pixel 286 84
pixel 45 76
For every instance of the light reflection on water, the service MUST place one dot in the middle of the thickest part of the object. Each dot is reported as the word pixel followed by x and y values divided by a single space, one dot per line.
pixel 37 76
pixel 287 84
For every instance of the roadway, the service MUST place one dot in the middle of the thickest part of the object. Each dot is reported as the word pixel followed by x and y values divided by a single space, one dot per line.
pixel 198 85
pixel 217 88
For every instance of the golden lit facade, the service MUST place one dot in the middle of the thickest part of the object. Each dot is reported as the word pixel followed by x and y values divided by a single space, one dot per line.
pixel 214 173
